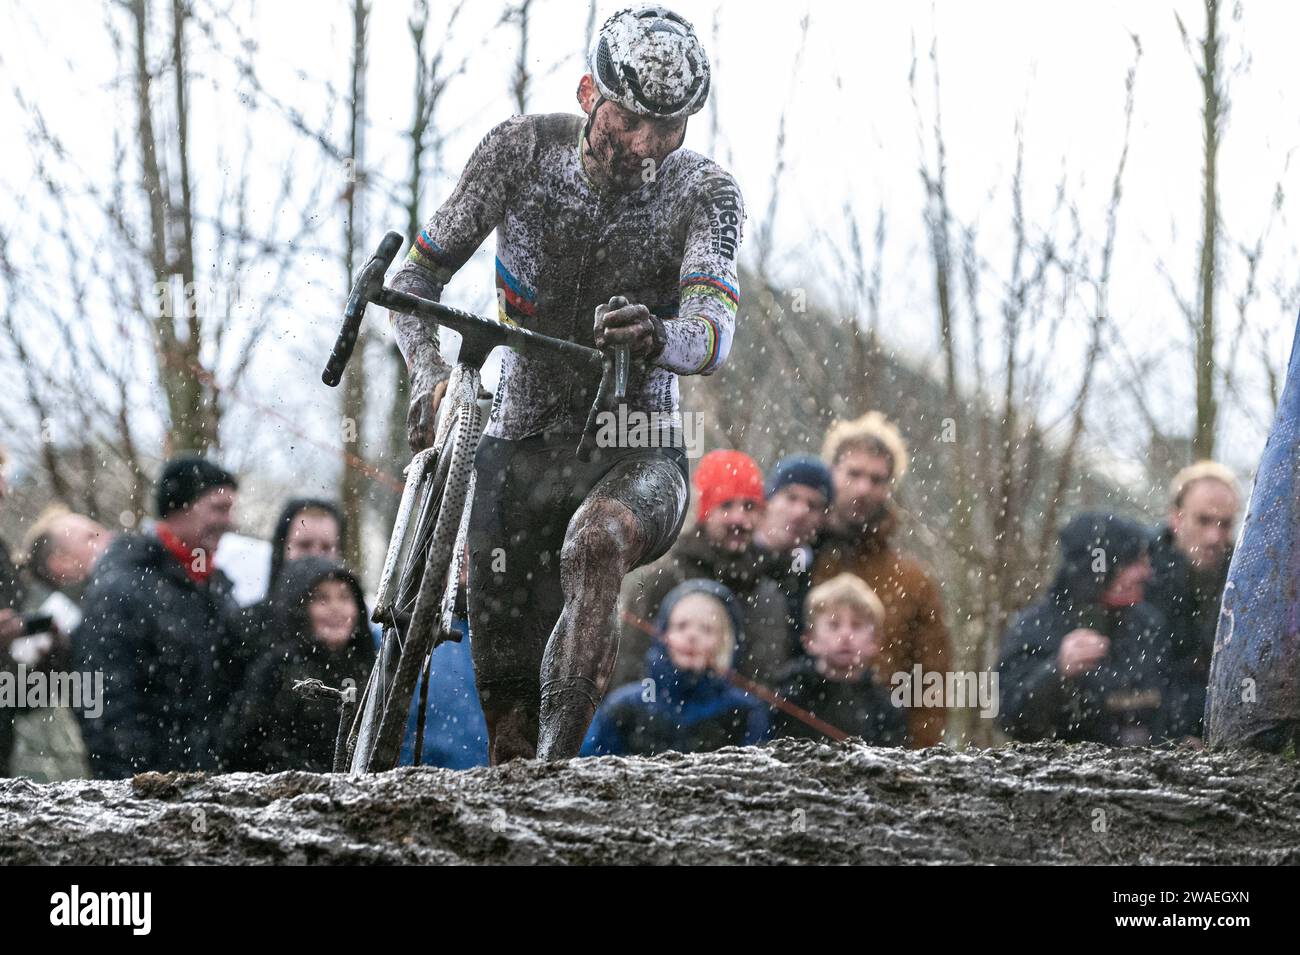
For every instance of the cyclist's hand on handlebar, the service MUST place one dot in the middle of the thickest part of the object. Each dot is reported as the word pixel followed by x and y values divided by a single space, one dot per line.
pixel 620 323
pixel 422 417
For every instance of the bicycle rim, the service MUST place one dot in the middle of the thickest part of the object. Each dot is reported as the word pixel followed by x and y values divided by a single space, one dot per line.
pixel 395 617
pixel 439 522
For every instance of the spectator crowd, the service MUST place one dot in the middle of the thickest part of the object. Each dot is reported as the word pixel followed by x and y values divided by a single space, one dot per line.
pixel 788 609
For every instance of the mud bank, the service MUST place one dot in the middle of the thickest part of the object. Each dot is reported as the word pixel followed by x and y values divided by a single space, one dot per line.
pixel 788 802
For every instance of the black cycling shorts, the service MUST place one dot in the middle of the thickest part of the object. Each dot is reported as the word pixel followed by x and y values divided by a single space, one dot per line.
pixel 526 492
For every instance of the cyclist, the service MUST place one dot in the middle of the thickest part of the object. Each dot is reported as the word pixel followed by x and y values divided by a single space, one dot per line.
pixel 608 233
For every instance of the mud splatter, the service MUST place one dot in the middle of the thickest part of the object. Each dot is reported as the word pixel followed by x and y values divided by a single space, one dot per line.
pixel 788 802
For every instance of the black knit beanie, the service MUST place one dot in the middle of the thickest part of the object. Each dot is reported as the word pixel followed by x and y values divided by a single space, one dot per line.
pixel 184 480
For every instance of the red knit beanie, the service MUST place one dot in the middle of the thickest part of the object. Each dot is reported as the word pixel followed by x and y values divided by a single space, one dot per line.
pixel 726 476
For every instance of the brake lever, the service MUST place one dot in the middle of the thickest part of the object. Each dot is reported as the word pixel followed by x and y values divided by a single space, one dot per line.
pixel 615 371
pixel 622 370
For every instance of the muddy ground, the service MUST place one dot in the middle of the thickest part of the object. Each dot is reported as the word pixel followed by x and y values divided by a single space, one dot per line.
pixel 785 802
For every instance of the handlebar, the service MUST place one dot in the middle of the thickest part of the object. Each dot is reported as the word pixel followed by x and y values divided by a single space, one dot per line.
pixel 478 335
pixel 368 284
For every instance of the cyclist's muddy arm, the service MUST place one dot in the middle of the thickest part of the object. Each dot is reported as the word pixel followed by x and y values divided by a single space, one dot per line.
pixel 474 208
pixel 699 339
pixel 417 338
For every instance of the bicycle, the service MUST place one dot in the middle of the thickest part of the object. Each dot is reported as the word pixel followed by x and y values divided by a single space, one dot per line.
pixel 415 600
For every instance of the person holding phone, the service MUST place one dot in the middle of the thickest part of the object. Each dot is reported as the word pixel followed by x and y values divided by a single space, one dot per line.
pixel 1092 661
pixel 58 554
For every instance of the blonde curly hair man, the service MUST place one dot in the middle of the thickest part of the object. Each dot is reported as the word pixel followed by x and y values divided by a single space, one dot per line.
pixel 868 457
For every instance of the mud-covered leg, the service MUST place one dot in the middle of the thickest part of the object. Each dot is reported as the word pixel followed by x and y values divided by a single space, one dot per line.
pixel 506 681
pixel 513 605
pixel 604 540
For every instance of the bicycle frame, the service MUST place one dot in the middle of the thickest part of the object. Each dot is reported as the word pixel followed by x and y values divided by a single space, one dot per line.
pixel 425 616
pixel 478 336
pixel 380 717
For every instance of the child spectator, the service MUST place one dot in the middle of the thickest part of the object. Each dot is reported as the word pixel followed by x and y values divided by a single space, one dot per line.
pixel 835 682
pixel 318 623
pixel 685 704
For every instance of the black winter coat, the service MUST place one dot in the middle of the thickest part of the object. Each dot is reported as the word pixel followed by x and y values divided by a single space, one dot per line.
pixel 1190 603
pixel 11 598
pixel 269 727
pixel 1131 698
pixel 862 709
pixel 163 644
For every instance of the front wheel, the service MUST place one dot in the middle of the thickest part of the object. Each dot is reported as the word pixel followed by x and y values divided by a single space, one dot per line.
pixel 425 575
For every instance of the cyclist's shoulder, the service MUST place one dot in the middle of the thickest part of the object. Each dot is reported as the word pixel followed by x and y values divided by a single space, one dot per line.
pixel 517 145
pixel 511 134
pixel 701 175
pixel 555 127
pixel 531 130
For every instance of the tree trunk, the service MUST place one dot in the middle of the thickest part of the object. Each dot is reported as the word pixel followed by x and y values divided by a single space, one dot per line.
pixel 354 483
pixel 1206 405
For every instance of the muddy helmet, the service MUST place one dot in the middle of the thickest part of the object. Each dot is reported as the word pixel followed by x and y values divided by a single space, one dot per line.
pixel 648 60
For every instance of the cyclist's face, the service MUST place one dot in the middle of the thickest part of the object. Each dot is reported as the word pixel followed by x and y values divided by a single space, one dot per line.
pixel 730 525
pixel 627 148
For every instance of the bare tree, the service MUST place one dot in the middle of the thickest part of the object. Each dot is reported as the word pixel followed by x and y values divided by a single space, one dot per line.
pixel 136 350
pixel 194 410
pixel 352 483
pixel 997 431
pixel 766 231
pixel 433 73
pixel 1213 110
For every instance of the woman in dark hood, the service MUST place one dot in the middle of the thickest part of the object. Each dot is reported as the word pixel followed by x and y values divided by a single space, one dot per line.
pixel 310 518
pixel 317 625
pixel 1091 660
pixel 306 527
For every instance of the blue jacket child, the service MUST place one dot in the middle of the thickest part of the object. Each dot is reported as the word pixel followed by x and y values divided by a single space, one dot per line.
pixel 675 709
pixel 455 732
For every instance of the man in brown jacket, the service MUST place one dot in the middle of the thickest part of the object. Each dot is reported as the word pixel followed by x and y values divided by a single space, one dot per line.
pixel 868 458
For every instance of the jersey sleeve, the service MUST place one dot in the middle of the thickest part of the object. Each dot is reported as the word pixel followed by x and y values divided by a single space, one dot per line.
pixel 699 339
pixel 475 207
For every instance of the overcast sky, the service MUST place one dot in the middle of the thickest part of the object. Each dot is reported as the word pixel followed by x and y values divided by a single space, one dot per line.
pixel 1055 68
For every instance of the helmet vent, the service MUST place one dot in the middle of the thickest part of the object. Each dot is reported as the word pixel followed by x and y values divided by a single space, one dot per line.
pixel 605 66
